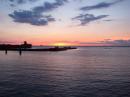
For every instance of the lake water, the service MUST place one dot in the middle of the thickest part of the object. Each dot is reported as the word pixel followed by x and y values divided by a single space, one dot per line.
pixel 84 72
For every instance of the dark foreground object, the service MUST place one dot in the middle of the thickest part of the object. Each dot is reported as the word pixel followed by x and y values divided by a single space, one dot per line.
pixel 44 49
pixel 9 46
pixel 28 47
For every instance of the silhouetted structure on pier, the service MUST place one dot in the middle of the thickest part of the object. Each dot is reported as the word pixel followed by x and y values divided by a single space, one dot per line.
pixel 28 47
pixel 25 45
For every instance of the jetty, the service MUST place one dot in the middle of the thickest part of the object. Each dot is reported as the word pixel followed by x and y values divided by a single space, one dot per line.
pixel 28 47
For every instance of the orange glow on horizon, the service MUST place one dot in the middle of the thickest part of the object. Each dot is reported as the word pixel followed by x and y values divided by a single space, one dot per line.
pixel 61 44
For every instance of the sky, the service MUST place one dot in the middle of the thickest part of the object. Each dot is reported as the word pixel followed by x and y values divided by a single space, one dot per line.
pixel 65 22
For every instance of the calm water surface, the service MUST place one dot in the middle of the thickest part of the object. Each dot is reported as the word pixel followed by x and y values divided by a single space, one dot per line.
pixel 85 72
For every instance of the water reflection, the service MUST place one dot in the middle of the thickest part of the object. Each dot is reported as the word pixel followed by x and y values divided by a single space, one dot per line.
pixel 86 72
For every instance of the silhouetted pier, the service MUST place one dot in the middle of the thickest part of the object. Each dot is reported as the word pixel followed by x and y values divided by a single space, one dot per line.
pixel 28 47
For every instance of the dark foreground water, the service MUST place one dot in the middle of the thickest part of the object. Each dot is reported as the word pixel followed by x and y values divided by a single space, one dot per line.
pixel 85 72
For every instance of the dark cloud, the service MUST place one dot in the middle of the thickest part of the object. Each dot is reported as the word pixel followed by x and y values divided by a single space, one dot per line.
pixel 37 15
pixel 47 6
pixel 56 3
pixel 100 5
pixel 14 3
pixel 31 18
pixel 117 42
pixel 87 18
pixel 21 1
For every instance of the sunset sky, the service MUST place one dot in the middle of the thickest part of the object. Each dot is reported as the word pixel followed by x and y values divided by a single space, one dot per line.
pixel 65 22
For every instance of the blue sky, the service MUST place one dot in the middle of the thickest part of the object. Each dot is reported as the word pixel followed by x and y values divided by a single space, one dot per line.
pixel 74 19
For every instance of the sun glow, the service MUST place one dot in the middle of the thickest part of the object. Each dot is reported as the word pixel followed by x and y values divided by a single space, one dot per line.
pixel 61 44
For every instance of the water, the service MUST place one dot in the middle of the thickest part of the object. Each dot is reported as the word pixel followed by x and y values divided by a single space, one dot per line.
pixel 85 72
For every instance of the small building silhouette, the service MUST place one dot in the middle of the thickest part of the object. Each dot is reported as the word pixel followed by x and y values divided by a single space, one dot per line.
pixel 10 46
pixel 25 45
